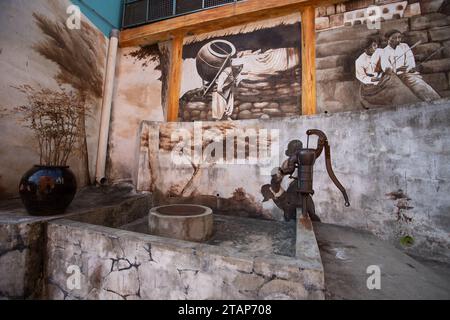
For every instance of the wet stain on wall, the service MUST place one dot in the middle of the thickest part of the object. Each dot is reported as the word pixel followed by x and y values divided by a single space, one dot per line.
pixel 158 54
pixel 402 205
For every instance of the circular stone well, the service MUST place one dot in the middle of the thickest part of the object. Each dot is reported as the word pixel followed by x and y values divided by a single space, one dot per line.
pixel 182 221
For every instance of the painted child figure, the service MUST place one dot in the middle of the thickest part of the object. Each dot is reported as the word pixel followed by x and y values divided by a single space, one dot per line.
pixel 289 200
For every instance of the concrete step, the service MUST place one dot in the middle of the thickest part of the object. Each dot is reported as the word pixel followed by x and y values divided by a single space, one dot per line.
pixel 347 253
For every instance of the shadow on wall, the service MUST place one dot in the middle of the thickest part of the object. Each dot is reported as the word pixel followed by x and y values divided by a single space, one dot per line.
pixel 42 55
pixel 80 65
pixel 2 189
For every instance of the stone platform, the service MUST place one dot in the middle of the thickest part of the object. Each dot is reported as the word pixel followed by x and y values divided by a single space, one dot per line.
pixel 245 259
pixel 23 237
pixel 252 236
pixel 104 235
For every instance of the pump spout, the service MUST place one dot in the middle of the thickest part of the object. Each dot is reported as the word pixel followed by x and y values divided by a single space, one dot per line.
pixel 321 142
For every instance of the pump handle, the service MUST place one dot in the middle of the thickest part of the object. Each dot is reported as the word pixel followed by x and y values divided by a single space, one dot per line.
pixel 321 144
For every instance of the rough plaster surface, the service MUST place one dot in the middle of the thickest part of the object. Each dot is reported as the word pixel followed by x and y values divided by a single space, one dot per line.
pixel 393 163
pixel 119 264
pixel 137 96
pixel 21 260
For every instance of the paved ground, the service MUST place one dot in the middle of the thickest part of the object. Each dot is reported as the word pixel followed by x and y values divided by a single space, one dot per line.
pixel 347 252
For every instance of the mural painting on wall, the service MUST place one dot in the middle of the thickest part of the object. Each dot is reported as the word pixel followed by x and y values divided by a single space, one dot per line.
pixel 388 73
pixel 252 72
pixel 404 60
pixel 54 70
pixel 191 155
pixel 235 168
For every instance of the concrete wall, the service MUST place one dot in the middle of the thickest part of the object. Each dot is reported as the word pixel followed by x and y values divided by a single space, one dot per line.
pixel 393 163
pixel 22 247
pixel 21 64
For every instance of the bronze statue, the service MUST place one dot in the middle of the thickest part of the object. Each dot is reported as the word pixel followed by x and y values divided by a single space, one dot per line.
pixel 300 191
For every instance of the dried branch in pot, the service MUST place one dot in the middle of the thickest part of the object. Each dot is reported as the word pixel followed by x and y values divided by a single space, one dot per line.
pixel 54 117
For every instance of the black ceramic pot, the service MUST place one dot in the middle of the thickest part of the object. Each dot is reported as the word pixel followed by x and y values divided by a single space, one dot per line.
pixel 47 190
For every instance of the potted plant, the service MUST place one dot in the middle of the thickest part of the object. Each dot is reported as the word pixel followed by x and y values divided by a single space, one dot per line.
pixel 54 117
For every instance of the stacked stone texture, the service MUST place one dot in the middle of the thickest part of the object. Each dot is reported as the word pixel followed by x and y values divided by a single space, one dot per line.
pixel 261 96
pixel 337 50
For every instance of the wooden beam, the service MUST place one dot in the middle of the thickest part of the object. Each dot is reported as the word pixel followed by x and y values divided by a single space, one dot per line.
pixel 176 62
pixel 215 19
pixel 308 61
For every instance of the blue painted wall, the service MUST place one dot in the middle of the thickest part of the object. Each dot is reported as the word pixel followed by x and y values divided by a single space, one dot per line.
pixel 105 14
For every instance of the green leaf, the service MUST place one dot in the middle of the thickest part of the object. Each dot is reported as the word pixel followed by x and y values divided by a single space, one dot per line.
pixel 407 241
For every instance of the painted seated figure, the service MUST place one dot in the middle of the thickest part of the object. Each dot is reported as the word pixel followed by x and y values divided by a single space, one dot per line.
pixel 389 75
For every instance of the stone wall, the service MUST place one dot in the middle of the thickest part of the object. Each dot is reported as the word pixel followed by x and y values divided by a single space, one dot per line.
pixel 123 265
pixel 353 12
pixel 22 248
pixel 340 44
pixel 23 237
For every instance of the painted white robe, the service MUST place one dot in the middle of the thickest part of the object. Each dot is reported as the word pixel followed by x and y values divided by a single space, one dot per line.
pixel 365 67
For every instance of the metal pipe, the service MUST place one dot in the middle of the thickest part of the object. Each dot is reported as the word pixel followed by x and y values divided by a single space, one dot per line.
pixel 106 108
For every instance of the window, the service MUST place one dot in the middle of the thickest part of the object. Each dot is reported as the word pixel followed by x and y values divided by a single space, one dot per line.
pixel 138 12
